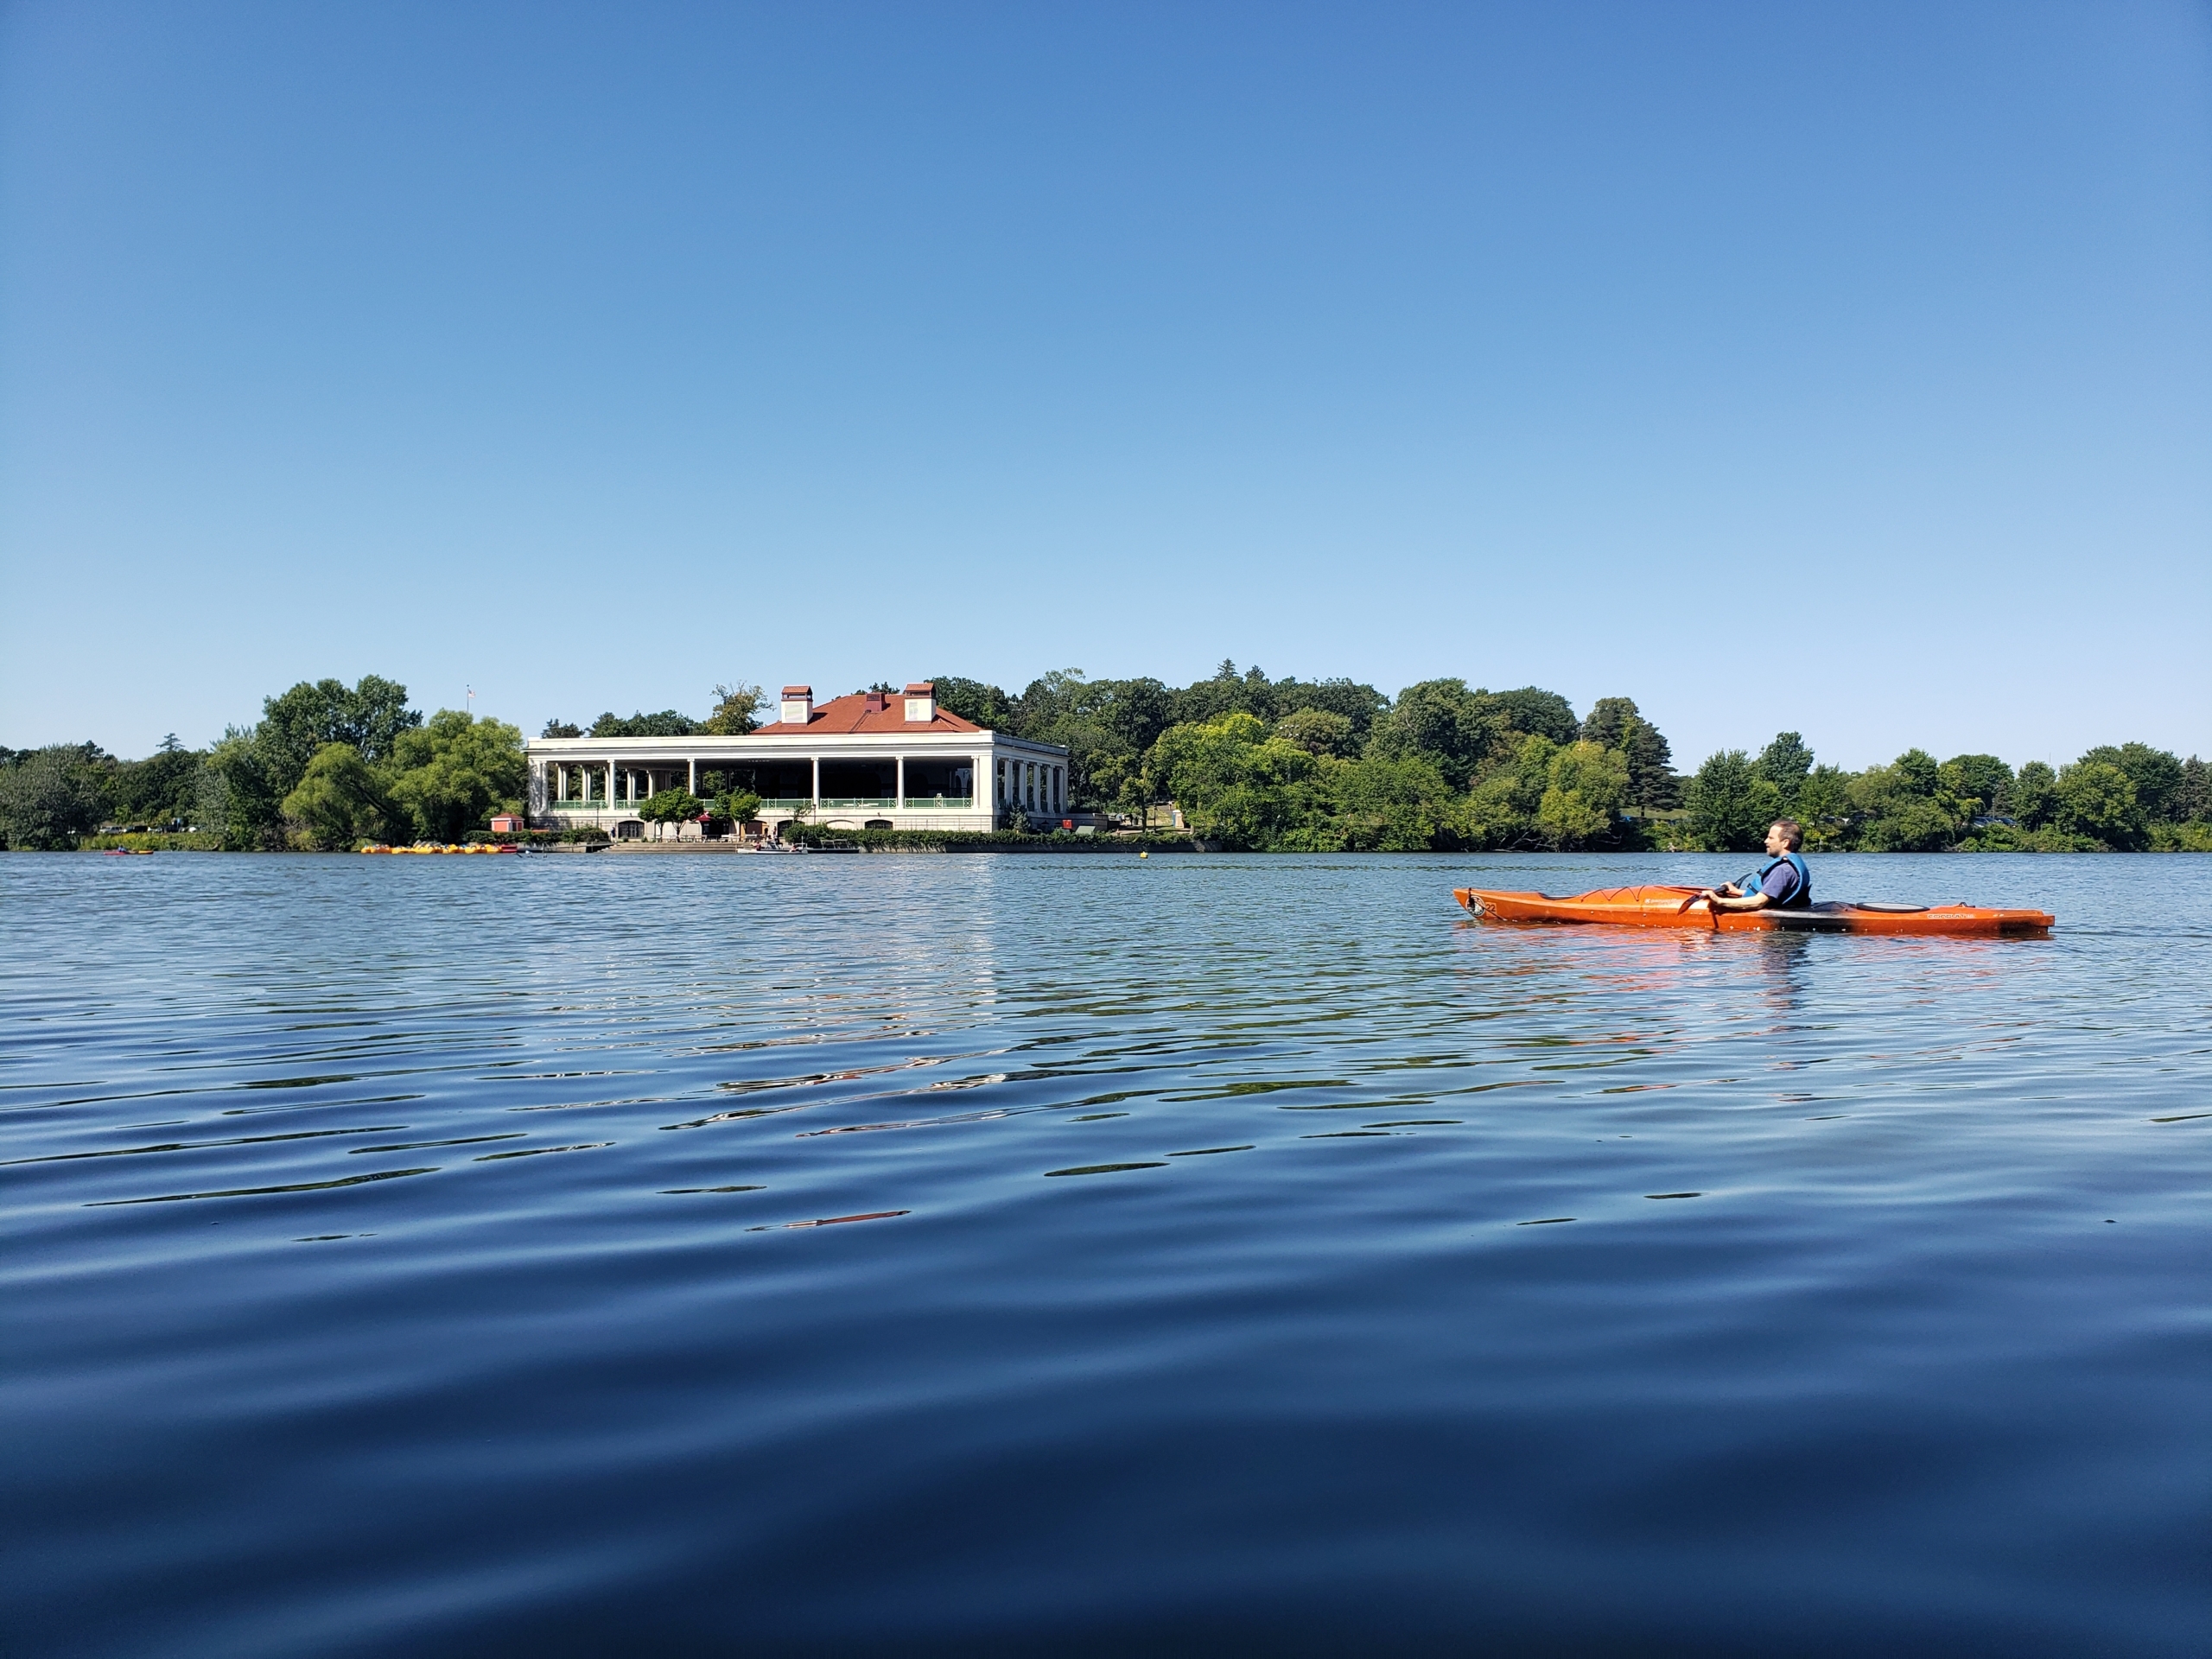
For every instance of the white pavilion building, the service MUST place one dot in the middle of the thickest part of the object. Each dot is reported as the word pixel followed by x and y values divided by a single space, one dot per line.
pixel 873 760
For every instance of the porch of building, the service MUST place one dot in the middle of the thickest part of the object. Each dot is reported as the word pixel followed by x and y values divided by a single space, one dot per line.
pixel 900 792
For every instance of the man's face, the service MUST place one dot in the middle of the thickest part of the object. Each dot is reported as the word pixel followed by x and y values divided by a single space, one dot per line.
pixel 1777 843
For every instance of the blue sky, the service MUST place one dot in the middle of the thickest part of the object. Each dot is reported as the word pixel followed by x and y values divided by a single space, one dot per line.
pixel 1846 369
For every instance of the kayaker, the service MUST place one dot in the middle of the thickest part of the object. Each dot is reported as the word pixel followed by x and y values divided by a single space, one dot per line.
pixel 1784 882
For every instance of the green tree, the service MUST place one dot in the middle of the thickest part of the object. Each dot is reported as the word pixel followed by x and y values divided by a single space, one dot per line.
pixel 1082 716
pixel 1319 731
pixel 2156 774
pixel 1584 788
pixel 1730 804
pixel 972 699
pixel 1823 809
pixel 737 710
pixel 1534 712
pixel 1785 763
pixel 1903 808
pixel 341 799
pixel 1914 825
pixel 1607 722
pixel 2193 802
pixel 454 771
pixel 1234 782
pixel 368 717
pixel 2034 795
pixel 1455 729
pixel 1353 700
pixel 1983 780
pixel 737 805
pixel 1380 804
pixel 49 797
pixel 1110 727
pixel 1503 810
pixel 1134 711
pixel 667 723
pixel 1616 723
pixel 561 729
pixel 1227 692
pixel 237 799
pixel 1652 784
pixel 2097 800
pixel 1917 772
pixel 669 806
pixel 159 790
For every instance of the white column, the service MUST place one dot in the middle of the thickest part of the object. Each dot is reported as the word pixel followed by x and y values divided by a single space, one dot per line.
pixel 693 763
pixel 610 786
pixel 814 761
pixel 899 780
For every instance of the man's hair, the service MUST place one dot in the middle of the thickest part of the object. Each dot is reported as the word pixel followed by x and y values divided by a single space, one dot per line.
pixel 1792 831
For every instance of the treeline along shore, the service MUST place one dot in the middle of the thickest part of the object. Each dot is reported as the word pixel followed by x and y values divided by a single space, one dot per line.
pixel 1250 763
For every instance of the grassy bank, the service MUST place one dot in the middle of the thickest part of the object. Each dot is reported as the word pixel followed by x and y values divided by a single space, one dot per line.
pixel 153 842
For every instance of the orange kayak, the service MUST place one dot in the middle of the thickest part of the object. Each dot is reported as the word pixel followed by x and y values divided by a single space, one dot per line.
pixel 1682 907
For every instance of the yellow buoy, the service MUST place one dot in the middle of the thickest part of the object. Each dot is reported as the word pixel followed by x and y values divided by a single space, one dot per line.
pixel 1144 855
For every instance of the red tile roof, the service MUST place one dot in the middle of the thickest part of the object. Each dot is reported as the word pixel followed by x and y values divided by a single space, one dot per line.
pixel 866 712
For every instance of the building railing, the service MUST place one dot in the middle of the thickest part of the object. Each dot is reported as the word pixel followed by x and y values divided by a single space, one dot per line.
pixel 792 803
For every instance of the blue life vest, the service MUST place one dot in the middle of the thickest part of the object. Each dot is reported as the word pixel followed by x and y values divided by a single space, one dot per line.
pixel 1801 896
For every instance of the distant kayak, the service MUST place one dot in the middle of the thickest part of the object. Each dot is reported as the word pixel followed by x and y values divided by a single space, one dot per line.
pixel 1669 907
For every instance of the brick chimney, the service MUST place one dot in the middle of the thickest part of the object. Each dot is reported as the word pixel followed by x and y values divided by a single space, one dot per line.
pixel 921 702
pixel 877 702
pixel 798 705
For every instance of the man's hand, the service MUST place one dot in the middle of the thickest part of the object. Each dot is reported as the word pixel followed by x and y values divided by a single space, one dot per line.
pixel 1729 898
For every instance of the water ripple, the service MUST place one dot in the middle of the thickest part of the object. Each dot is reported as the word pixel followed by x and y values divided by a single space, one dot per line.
pixel 1269 1251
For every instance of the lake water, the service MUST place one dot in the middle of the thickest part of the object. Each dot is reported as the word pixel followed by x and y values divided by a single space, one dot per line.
pixel 589 1255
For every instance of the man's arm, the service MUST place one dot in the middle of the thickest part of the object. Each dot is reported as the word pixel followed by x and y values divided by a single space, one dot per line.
pixel 1729 896
pixel 1757 901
